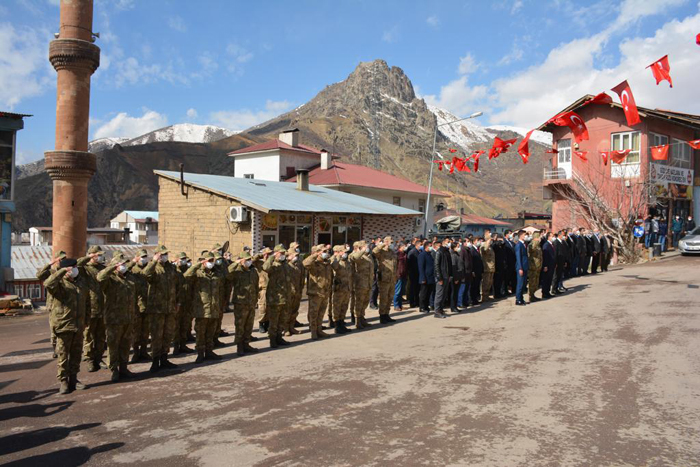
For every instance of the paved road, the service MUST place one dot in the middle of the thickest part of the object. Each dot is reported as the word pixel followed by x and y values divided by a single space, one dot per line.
pixel 606 375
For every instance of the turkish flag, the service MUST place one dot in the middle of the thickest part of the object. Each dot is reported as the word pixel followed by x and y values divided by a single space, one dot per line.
pixel 524 147
pixel 552 151
pixel 440 164
pixel 574 122
pixel 661 70
pixel 476 157
pixel 500 146
pixel 453 150
pixel 697 39
pixel 619 156
pixel 627 100
pixel 601 98
pixel 604 155
pixel 659 153
pixel 582 155
pixel 695 144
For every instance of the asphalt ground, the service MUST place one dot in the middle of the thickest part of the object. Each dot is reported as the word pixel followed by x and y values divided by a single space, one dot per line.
pixel 607 374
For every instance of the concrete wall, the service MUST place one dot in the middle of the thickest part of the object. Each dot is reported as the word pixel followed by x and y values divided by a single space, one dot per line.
pixel 198 221
pixel 263 167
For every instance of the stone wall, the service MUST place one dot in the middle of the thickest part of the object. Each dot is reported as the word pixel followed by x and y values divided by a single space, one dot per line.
pixel 381 226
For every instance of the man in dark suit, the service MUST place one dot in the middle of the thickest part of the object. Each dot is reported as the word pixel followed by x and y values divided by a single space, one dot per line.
pixel 510 281
pixel 548 265
pixel 561 254
pixel 443 276
pixel 573 260
pixel 426 276
pixel 589 251
pixel 413 275
pixel 466 256
pixel 597 250
pixel 477 271
pixel 499 276
pixel 581 250
pixel 521 267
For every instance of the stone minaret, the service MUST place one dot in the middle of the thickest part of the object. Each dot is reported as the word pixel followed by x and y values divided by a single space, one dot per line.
pixel 70 166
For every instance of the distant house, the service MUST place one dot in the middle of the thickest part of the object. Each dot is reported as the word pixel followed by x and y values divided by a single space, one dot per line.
pixel 541 220
pixel 43 236
pixel 279 159
pixel 27 260
pixel 471 223
pixel 143 226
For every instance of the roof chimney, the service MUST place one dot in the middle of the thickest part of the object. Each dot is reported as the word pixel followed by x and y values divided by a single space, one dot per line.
pixel 302 180
pixel 290 137
pixel 325 160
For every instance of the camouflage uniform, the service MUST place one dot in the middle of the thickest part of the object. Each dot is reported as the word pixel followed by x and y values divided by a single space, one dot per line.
pixel 277 296
pixel 222 268
pixel 297 279
pixel 43 274
pixel 163 284
pixel 258 261
pixel 95 337
pixel 119 310
pixel 70 305
pixel 183 322
pixel 140 322
pixel 386 259
pixel 534 253
pixel 362 278
pixel 318 288
pixel 245 294
pixel 342 278
pixel 488 256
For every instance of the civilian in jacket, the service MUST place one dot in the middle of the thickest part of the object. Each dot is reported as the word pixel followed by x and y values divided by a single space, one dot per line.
pixel 412 261
pixel 676 229
pixel 477 271
pixel 426 276
pixel 597 250
pixel 562 255
pixel 573 251
pixel 581 250
pixel 466 256
pixel 457 275
pixel 510 279
pixel 500 275
pixel 443 276
pixel 548 265
pixel 663 232
pixel 521 267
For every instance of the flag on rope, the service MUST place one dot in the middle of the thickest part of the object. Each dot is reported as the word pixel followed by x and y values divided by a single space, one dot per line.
pixel 627 100
pixel 440 164
pixel 659 153
pixel 661 70
pixel 604 155
pixel 601 98
pixel 697 39
pixel 582 155
pixel 453 150
pixel 574 122
pixel 500 146
pixel 524 147
pixel 619 156
pixel 476 157
pixel 552 151
pixel 695 144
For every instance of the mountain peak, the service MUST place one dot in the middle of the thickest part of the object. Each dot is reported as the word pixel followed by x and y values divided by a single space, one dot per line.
pixel 378 76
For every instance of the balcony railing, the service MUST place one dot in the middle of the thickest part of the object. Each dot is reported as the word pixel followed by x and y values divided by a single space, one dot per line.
pixel 555 174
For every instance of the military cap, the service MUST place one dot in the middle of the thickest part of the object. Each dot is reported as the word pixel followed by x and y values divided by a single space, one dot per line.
pixel 265 250
pixel 247 248
pixel 244 255
pixel 67 262
pixel 314 248
pixel 217 246
pixel 280 248
pixel 182 255
pixel 143 252
pixel 218 255
pixel 162 249
pixel 117 258
pixel 388 238
pixel 339 248
pixel 208 255
pixel 293 246
pixel 95 249
pixel 60 254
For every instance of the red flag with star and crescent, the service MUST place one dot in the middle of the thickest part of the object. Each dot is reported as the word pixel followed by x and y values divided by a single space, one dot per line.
pixel 582 155
pixel 619 156
pixel 500 146
pixel 524 147
pixel 574 122
pixel 476 157
pixel 627 100
pixel 601 98
pixel 604 155
pixel 659 153
pixel 661 70
pixel 695 144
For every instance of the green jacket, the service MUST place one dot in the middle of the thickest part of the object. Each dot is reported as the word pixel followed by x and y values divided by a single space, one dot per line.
pixel 245 285
pixel 163 283
pixel 43 274
pixel 320 276
pixel 279 284
pixel 121 301
pixel 96 296
pixel 141 284
pixel 386 259
pixel 206 287
pixel 71 301
pixel 342 275
pixel 488 256
pixel 534 254
pixel 297 276
pixel 362 270
pixel 185 291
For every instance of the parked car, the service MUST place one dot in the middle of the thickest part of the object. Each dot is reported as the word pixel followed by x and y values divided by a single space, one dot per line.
pixel 690 244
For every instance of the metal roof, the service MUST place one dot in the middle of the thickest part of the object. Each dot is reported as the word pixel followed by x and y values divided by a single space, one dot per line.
pixel 27 260
pixel 143 214
pixel 13 115
pixel 267 196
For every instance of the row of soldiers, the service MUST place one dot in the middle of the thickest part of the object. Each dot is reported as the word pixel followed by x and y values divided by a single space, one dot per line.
pixel 118 305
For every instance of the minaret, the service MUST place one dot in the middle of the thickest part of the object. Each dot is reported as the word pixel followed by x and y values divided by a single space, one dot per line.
pixel 70 166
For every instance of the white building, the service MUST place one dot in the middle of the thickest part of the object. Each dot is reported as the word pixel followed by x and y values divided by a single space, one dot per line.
pixel 143 226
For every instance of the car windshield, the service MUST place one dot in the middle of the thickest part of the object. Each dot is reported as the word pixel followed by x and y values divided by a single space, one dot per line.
pixel 696 231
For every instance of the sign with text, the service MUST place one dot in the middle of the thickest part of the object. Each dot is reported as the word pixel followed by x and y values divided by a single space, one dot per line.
pixel 662 174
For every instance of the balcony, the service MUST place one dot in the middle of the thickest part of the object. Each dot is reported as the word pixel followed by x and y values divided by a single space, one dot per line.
pixel 555 176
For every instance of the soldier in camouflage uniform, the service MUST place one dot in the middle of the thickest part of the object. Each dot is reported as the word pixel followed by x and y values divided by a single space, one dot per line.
pixel 140 322
pixel 70 304
pixel 95 339
pixel 297 278
pixel 183 320
pixel 278 294
pixel 245 294
pixel 362 279
pixel 43 274
pixel 534 255
pixel 221 268
pixel 261 314
pixel 164 282
pixel 342 278
pixel 318 288
pixel 488 256
pixel 206 284
pixel 121 304
pixel 355 247
pixel 386 259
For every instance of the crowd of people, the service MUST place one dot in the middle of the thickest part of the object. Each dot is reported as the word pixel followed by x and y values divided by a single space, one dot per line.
pixel 123 306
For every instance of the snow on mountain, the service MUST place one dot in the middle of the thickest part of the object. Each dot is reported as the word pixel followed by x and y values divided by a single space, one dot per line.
pixel 184 132
pixel 101 144
pixel 541 137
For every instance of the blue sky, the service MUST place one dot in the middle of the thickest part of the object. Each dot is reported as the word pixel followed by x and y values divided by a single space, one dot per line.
pixel 235 63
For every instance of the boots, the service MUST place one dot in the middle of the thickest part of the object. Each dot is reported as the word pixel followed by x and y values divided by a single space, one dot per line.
pixel 389 319
pixel 365 323
pixel 322 334
pixel 210 355
pixel 176 349
pixel 185 349
pixel 293 331
pixel 94 366
pixel 74 384
pixel 217 343
pixel 263 327
pixel 64 389
pixel 240 350
pixel 345 327
pixel 124 371
pixel 273 342
pixel 190 337
pixel 135 357
pixel 281 341
pixel 200 356
pixel 339 328
pixel 248 348
pixel 164 363
pixel 383 319
pixel 297 324
pixel 314 334
pixel 155 365
pixel 358 324
pixel 331 322
pixel 115 376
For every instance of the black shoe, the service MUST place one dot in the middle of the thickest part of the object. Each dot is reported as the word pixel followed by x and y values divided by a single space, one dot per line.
pixel 281 341
pixel 520 303
pixel 190 338
pixel 94 366
pixel 165 363
pixel 248 348
pixel 534 299
pixel 297 324
pixel 200 357
pixel 546 296
pixel 176 350
pixel 440 314
pixel 262 329
pixel 352 320
pixel 155 366
pixel 389 319
pixel 218 343
pixel 455 310
pixel 115 376
pixel 240 350
pixel 223 333
pixel 342 323
pixel 185 349
pixel 125 373
pixel 210 355
pixel 339 329
pixel 382 319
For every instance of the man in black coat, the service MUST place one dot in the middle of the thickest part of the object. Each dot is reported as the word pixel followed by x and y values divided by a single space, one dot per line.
pixel 589 251
pixel 548 265
pixel 466 256
pixel 413 273
pixel 510 280
pixel 597 250
pixel 500 275
pixel 561 255
pixel 477 271
pixel 443 276
pixel 581 249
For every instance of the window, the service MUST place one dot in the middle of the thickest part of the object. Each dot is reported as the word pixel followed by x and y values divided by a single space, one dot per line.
pixel 295 228
pixel 247 175
pixel 629 168
pixel 397 201
pixel 421 205
pixel 343 229
pixel 19 290
pixel 680 154
pixel 564 148
pixel 657 140
pixel 34 291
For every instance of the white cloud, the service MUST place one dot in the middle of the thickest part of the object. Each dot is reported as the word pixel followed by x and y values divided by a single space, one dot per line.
pixel 177 23
pixel 515 55
pixel 23 66
pixel 243 119
pixel 460 98
pixel 391 35
pixel 517 6
pixel 239 56
pixel 467 64
pixel 125 126
pixel 433 21
pixel 192 113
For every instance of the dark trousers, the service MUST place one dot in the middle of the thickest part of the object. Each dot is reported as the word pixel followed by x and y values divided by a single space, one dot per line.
pixel 375 294
pixel 475 289
pixel 512 281
pixel 455 294
pixel 582 265
pixel 441 293
pixel 520 285
pixel 498 279
pixel 546 280
pixel 426 291
pixel 413 290
pixel 558 276
pixel 594 263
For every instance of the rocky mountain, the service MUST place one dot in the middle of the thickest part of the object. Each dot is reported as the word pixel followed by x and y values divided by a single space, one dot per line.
pixel 372 118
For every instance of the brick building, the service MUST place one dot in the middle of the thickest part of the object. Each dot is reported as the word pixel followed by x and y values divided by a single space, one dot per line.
pixel 197 210
pixel 617 183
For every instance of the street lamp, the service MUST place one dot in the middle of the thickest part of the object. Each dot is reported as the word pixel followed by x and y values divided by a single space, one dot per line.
pixel 430 179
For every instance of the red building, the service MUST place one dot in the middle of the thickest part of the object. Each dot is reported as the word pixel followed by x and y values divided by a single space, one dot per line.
pixel 636 186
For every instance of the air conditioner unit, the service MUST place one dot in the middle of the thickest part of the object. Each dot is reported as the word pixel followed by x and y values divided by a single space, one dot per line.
pixel 238 214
